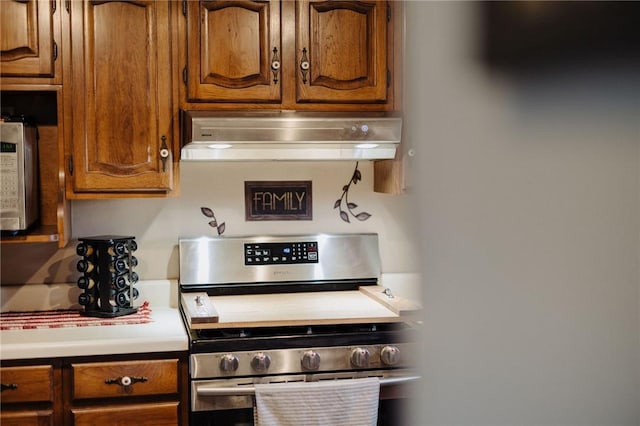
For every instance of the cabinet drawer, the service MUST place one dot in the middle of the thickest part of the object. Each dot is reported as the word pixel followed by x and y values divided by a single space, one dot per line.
pixel 156 414
pixel 27 384
pixel 27 418
pixel 124 379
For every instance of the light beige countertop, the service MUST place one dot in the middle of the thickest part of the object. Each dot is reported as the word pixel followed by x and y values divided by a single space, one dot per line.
pixel 165 333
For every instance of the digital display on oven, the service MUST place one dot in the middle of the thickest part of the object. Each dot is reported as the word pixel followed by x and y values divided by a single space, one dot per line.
pixel 8 147
pixel 281 253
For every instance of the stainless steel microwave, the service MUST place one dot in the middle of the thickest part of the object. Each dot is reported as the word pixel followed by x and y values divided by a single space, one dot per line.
pixel 19 203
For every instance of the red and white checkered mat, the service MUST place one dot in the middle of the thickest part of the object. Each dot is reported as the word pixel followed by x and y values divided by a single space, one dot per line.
pixel 68 318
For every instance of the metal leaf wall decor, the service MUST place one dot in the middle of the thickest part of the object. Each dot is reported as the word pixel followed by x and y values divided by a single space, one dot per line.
pixel 344 200
pixel 213 222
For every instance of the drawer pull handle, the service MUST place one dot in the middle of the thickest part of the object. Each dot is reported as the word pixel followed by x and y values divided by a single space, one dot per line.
pixel 125 381
pixel 10 386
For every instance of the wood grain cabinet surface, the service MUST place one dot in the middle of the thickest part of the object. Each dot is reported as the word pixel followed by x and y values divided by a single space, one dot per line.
pixel 148 389
pixel 121 97
pixel 29 37
pixel 232 48
pixel 28 395
pixel 305 54
pixel 124 379
pixel 152 414
pixel 122 70
pixel 123 392
pixel 27 384
pixel 341 51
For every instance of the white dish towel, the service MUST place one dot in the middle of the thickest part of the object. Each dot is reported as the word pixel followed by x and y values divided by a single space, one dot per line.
pixel 352 402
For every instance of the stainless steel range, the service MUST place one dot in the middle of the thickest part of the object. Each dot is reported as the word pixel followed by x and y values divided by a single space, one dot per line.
pixel 298 308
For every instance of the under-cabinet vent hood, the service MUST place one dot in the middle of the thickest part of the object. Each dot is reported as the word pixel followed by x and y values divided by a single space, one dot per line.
pixel 278 135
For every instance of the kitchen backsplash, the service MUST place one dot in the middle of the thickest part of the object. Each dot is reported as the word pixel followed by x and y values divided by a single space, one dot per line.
pixel 158 223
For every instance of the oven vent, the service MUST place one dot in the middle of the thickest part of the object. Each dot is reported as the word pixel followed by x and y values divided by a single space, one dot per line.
pixel 289 136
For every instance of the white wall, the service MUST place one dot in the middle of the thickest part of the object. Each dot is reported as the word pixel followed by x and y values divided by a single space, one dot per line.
pixel 158 223
pixel 529 194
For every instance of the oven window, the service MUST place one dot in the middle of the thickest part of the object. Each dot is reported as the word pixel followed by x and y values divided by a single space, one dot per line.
pixel 235 417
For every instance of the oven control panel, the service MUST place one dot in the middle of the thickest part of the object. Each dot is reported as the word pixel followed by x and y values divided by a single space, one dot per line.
pixel 281 253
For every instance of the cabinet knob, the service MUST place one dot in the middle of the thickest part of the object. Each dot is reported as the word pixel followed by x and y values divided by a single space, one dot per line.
pixel 164 153
pixel 275 64
pixel 304 65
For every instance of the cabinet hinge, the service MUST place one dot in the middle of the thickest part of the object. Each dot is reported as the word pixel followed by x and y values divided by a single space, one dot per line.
pixel 71 165
pixel 67 5
pixel 55 50
pixel 388 13
pixel 53 6
pixel 184 8
pixel 388 78
pixel 184 75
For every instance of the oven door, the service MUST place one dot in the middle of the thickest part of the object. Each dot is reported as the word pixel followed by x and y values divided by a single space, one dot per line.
pixel 231 402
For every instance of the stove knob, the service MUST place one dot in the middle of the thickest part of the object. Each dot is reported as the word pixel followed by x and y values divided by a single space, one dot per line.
pixel 229 363
pixel 260 362
pixel 390 355
pixel 310 360
pixel 360 357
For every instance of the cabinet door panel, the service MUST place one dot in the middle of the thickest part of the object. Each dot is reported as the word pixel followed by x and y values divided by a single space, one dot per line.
pixel 27 384
pixel 341 51
pixel 26 38
pixel 231 51
pixel 27 418
pixel 121 95
pixel 156 414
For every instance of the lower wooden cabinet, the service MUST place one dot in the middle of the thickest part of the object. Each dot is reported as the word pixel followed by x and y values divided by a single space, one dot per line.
pixel 29 396
pixel 27 384
pixel 27 418
pixel 125 379
pixel 152 414
pixel 140 389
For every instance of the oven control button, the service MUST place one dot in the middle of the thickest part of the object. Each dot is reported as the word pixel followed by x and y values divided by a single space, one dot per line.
pixel 229 363
pixel 310 360
pixel 360 357
pixel 390 355
pixel 260 362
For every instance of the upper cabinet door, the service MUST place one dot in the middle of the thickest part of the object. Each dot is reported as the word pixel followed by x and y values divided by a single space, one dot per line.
pixel 234 51
pixel 27 43
pixel 341 51
pixel 121 96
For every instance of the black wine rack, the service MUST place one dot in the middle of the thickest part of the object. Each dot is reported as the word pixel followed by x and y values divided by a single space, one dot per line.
pixel 107 265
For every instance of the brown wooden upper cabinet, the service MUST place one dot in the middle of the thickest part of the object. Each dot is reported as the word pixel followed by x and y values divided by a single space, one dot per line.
pixel 29 37
pixel 287 54
pixel 341 51
pixel 121 96
pixel 233 49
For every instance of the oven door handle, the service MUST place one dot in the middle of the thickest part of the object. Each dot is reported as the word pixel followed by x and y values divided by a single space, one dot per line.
pixel 208 390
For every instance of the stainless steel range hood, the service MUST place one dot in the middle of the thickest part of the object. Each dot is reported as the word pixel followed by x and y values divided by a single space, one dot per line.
pixel 280 135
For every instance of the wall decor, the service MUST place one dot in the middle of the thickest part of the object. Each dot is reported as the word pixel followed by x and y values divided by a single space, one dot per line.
pixel 220 227
pixel 344 199
pixel 278 200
